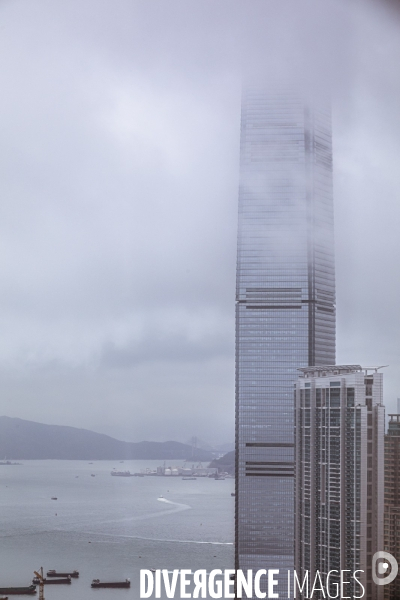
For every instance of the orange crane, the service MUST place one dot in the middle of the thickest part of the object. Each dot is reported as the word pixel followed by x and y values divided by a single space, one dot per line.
pixel 41 583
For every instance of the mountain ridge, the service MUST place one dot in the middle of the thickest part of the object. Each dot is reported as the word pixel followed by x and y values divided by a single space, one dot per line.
pixel 21 439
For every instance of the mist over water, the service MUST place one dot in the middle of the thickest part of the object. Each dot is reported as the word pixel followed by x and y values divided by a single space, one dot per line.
pixel 109 527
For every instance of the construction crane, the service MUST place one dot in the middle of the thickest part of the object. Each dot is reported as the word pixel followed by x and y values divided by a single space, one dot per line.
pixel 39 575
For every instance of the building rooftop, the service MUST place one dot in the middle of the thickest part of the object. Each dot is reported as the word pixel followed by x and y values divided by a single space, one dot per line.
pixel 329 370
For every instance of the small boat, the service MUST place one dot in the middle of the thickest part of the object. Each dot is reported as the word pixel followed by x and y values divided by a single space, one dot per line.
pixel 4 598
pixel 60 580
pixel 20 591
pixel 96 583
pixel 189 478
pixel 233 494
pixel 54 498
pixel 54 573
pixel 92 475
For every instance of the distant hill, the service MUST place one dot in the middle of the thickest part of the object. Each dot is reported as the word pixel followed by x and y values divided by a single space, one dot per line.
pixel 225 463
pixel 20 439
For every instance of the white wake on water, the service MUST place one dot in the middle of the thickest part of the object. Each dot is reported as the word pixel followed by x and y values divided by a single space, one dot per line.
pixel 184 506
pixel 149 539
pixel 175 507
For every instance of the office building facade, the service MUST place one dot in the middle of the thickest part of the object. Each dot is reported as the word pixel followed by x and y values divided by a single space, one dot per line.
pixel 339 479
pixel 285 306
pixel 392 500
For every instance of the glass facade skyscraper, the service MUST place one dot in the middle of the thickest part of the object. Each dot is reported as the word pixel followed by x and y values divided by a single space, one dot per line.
pixel 285 306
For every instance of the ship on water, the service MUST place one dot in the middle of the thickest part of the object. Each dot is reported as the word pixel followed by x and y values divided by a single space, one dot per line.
pixel 96 583
pixel 18 591
pixel 58 581
pixel 54 573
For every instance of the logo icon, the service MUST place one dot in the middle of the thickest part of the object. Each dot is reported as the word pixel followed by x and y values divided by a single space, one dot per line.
pixel 384 568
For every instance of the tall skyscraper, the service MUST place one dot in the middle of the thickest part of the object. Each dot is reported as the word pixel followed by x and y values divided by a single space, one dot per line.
pixel 339 454
pixel 392 500
pixel 285 305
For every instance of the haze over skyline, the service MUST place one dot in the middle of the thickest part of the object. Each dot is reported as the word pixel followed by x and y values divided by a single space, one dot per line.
pixel 119 180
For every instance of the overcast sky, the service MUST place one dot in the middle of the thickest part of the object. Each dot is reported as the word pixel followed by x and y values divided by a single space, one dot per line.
pixel 119 153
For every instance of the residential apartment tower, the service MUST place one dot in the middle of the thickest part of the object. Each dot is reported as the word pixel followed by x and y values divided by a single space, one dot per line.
pixel 339 454
pixel 392 500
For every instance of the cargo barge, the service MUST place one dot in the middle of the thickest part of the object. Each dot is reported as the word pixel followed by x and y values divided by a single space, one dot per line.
pixel 54 573
pixel 96 583
pixel 60 580
pixel 19 591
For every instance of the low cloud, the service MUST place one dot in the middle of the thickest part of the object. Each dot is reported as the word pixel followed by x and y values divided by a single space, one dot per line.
pixel 119 161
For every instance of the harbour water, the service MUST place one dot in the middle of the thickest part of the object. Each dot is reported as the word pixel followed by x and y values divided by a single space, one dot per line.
pixel 109 527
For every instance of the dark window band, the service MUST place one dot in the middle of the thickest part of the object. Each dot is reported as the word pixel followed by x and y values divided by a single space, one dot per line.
pixel 258 462
pixel 269 474
pixel 270 469
pixel 280 290
pixel 268 445
pixel 270 307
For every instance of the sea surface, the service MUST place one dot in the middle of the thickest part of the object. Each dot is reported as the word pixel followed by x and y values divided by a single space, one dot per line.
pixel 109 527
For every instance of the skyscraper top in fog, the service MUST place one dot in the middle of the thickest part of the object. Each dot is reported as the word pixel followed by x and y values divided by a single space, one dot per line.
pixel 285 305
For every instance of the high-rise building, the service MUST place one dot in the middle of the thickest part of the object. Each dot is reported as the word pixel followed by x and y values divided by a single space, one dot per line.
pixel 285 305
pixel 392 500
pixel 339 481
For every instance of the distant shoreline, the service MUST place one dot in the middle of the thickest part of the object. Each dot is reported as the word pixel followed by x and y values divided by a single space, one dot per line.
pixel 28 440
